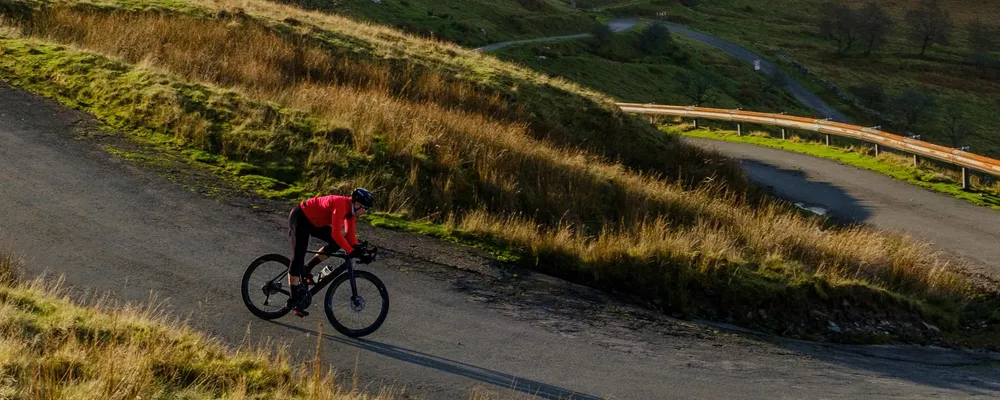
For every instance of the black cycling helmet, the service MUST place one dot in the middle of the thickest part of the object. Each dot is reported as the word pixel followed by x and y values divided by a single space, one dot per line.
pixel 363 196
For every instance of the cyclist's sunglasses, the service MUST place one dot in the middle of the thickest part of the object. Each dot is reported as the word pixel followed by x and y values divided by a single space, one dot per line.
pixel 366 208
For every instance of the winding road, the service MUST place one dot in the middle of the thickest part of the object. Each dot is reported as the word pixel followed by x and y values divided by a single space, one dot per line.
pixel 850 194
pixel 803 95
pixel 458 320
pixel 618 25
pixel 970 232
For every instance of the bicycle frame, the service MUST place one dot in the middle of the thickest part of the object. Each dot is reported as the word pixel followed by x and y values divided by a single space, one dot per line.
pixel 347 265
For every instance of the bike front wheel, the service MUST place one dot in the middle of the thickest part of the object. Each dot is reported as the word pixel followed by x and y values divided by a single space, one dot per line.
pixel 360 315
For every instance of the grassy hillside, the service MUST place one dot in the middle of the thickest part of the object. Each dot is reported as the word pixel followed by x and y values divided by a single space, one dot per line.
pixel 623 70
pixel 295 103
pixel 51 347
pixel 786 31
pixel 466 22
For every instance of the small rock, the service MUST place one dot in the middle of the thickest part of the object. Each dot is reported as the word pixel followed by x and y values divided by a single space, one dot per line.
pixel 816 314
pixel 932 328
pixel 763 314
pixel 833 327
pixel 847 303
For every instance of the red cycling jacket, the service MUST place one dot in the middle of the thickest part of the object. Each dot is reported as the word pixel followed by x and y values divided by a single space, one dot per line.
pixel 335 212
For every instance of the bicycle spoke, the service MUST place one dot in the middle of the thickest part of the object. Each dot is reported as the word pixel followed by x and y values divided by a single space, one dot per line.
pixel 352 315
pixel 269 294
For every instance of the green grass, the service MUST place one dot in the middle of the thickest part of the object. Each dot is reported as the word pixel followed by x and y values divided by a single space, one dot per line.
pixel 447 232
pixel 623 71
pixel 785 25
pixel 550 106
pixel 149 105
pixel 929 178
pixel 466 22
pixel 765 27
pixel 789 26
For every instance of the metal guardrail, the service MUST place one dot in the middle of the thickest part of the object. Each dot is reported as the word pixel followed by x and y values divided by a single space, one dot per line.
pixel 916 147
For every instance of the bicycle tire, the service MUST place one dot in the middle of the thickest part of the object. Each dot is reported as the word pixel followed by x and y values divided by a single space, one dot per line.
pixel 268 315
pixel 383 312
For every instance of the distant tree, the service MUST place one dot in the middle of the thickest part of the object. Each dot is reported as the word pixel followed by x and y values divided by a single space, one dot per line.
pixel 982 43
pixel 875 25
pixel 871 94
pixel 911 106
pixel 602 35
pixel 929 24
pixel 655 39
pixel 839 22
pixel 697 87
pixel 956 125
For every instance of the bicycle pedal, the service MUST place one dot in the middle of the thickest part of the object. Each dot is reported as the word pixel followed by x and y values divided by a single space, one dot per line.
pixel 301 313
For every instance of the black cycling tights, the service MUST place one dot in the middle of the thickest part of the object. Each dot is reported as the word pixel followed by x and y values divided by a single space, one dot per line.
pixel 299 228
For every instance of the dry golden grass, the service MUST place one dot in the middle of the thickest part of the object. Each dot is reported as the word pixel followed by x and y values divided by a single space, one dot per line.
pixel 52 348
pixel 441 148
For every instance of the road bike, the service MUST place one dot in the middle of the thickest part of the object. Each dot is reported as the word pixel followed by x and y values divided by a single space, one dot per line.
pixel 354 295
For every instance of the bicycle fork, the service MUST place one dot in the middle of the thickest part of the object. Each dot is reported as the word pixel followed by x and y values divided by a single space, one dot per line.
pixel 354 286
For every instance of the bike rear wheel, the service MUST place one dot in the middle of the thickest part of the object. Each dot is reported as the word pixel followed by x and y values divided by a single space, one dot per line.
pixel 356 317
pixel 265 286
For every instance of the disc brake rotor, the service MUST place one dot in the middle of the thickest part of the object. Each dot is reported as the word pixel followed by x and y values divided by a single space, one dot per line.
pixel 358 304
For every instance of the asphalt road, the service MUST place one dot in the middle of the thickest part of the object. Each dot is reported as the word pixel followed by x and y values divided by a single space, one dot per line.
pixel 617 25
pixel 850 194
pixel 458 321
pixel 803 95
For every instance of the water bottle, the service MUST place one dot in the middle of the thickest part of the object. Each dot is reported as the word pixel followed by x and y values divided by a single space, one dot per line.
pixel 322 274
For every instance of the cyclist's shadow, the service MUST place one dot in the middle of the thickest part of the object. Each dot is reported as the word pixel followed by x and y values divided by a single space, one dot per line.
pixel 501 379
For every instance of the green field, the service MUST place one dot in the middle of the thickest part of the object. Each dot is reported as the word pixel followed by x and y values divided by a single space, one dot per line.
pixel 786 31
pixel 625 72
pixel 469 23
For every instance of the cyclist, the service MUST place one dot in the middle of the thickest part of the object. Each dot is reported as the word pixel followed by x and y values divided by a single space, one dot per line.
pixel 323 217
